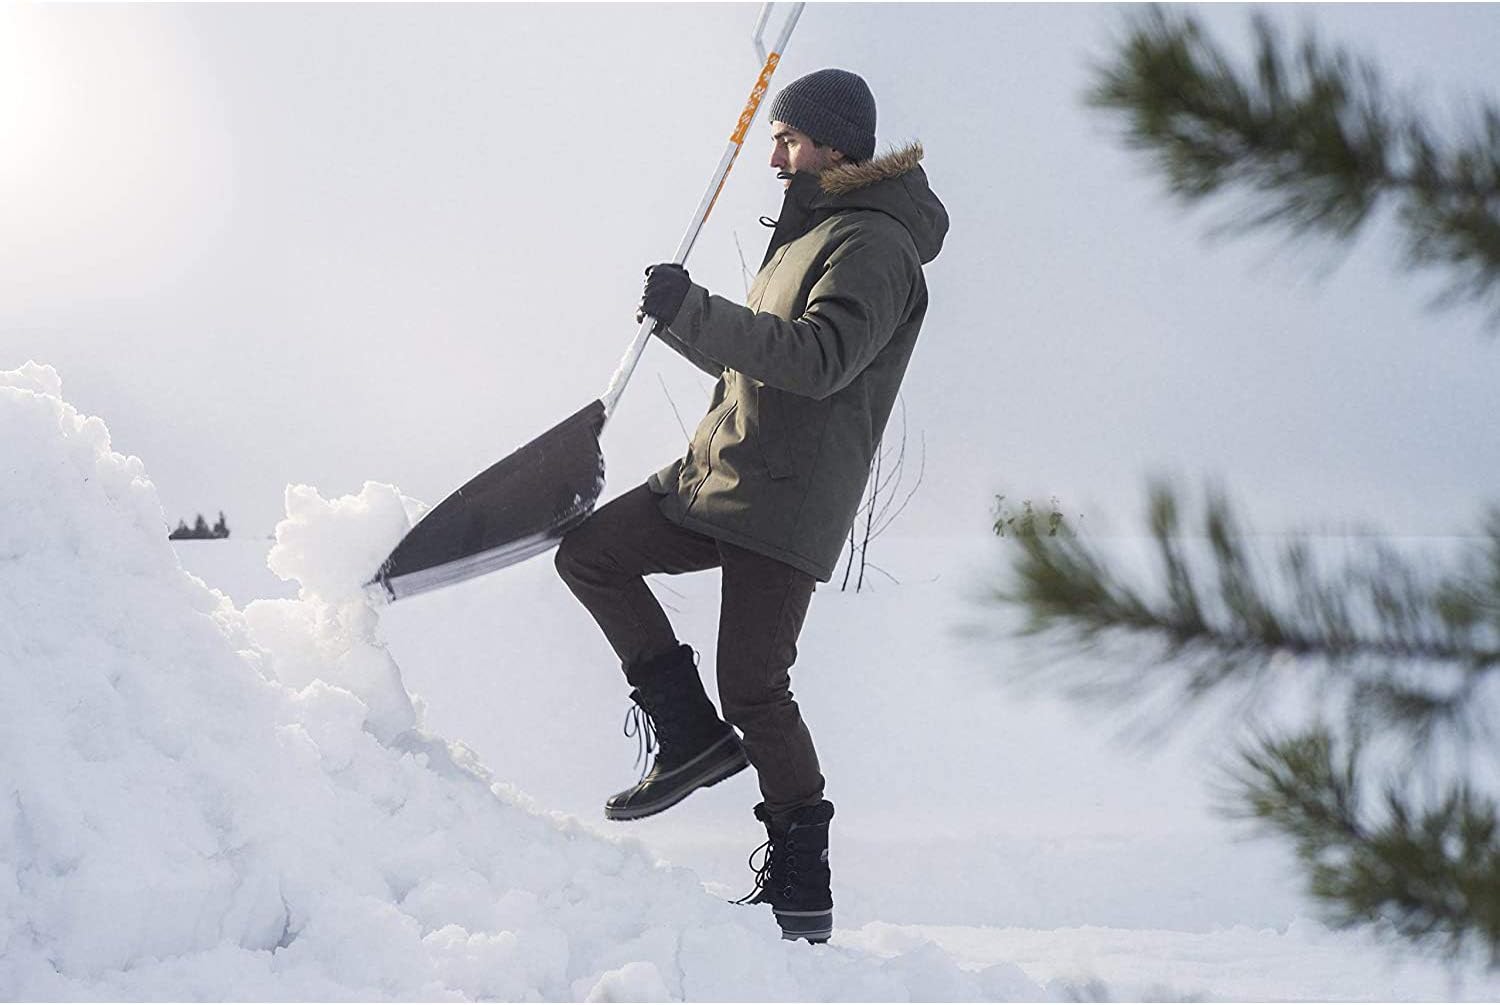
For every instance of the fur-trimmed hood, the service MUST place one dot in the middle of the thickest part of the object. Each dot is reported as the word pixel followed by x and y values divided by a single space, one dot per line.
pixel 845 178
pixel 895 184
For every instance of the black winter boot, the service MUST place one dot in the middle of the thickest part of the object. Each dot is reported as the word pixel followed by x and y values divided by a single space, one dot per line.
pixel 794 877
pixel 673 716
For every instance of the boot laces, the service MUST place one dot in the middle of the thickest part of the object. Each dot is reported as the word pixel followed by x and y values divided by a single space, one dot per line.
pixel 647 736
pixel 762 872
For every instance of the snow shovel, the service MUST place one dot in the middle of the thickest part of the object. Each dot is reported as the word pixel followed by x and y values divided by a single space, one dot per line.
pixel 523 504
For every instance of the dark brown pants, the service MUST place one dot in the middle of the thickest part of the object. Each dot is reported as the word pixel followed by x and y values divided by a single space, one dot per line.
pixel 761 609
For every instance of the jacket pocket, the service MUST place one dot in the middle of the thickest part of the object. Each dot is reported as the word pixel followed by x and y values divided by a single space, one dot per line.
pixel 772 434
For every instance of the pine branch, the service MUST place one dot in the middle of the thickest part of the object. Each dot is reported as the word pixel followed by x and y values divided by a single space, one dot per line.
pixel 1221 620
pixel 1407 652
pixel 1432 874
pixel 1310 141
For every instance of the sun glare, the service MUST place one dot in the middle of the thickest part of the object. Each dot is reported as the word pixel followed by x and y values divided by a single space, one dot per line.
pixel 112 165
pixel 27 97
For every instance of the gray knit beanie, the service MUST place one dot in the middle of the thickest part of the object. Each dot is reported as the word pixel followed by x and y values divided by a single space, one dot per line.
pixel 834 107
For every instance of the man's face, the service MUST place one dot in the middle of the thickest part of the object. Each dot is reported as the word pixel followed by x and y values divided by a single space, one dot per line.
pixel 792 152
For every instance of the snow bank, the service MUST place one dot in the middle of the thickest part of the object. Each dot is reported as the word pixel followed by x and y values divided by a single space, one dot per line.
pixel 201 802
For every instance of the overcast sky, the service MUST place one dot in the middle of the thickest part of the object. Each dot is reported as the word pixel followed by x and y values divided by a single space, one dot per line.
pixel 273 244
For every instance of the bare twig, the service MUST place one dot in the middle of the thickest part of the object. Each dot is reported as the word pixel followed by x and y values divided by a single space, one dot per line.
pixel 744 266
pixel 680 424
pixel 882 502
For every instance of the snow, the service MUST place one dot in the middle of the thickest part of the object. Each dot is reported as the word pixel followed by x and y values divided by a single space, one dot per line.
pixel 208 802
pixel 254 798
pixel 329 547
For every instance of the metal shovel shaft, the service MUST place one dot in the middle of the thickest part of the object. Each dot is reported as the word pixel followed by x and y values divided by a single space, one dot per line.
pixel 711 195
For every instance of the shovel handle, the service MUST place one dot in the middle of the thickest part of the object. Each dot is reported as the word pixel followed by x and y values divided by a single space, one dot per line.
pixel 711 195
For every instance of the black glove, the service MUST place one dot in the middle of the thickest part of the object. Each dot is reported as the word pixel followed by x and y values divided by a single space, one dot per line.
pixel 666 288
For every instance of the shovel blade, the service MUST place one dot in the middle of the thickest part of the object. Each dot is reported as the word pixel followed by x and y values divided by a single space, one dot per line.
pixel 518 507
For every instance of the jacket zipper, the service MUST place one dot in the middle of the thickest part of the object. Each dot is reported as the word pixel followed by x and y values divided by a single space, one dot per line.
pixel 708 452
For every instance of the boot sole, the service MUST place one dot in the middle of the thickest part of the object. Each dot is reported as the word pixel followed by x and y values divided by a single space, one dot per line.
pixel 711 775
pixel 814 926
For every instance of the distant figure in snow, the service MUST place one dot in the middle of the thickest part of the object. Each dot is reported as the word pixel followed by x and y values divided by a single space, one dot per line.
pixel 808 373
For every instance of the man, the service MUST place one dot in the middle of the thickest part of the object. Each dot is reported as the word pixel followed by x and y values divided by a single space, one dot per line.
pixel 807 376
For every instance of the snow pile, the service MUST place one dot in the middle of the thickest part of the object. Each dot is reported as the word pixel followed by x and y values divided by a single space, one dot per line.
pixel 201 802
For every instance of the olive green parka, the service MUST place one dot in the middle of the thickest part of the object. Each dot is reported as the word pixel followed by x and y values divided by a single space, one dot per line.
pixel 808 372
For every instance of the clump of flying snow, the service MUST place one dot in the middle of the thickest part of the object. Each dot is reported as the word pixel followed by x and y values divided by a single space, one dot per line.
pixel 331 548
pixel 201 802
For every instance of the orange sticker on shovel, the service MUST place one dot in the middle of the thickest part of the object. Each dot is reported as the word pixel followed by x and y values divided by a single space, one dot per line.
pixel 761 85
